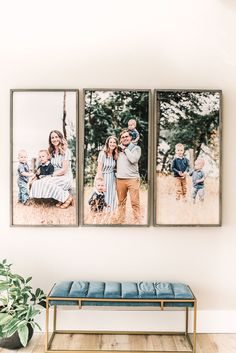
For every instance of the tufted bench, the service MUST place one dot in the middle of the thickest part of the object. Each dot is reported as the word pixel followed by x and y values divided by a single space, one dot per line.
pixel 155 295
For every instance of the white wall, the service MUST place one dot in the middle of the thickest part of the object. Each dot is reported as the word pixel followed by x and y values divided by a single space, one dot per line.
pixel 125 44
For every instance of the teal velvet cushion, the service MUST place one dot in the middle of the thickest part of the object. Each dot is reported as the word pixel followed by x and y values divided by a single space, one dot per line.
pixel 120 290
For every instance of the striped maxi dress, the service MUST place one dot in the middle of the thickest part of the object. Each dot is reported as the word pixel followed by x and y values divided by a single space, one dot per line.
pixel 57 187
pixel 108 172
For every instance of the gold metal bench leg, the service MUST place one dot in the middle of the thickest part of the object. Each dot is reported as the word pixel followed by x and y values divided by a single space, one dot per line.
pixel 49 340
pixel 186 320
pixel 186 328
pixel 54 318
pixel 46 328
pixel 194 326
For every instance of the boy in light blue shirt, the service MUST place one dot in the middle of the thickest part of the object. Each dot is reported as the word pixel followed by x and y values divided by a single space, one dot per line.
pixel 23 177
pixel 198 178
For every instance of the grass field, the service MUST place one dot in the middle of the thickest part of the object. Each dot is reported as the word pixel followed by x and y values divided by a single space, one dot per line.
pixel 44 212
pixel 41 212
pixel 107 218
pixel 170 211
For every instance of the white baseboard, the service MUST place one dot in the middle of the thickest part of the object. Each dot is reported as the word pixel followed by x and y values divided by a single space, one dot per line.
pixel 208 321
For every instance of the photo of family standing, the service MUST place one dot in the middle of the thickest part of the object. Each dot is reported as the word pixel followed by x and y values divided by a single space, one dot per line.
pixel 44 157
pixel 188 190
pixel 116 157
pixel 116 153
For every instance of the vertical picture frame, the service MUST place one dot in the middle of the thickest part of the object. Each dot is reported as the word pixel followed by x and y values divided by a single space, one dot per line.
pixel 116 169
pixel 187 157
pixel 44 157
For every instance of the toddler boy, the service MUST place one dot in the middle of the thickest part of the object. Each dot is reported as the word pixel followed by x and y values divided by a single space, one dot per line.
pixel 133 131
pixel 180 167
pixel 97 200
pixel 23 177
pixel 198 177
pixel 45 167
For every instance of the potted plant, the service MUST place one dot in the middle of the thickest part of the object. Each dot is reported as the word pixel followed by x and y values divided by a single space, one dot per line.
pixel 18 308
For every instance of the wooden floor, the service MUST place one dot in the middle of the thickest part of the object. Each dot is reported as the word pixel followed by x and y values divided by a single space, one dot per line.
pixel 206 343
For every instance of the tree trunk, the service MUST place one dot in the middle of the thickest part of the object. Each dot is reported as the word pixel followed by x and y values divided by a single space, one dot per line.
pixel 64 117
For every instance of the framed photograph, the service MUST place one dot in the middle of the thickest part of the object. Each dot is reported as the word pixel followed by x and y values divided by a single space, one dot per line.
pixel 44 157
pixel 116 157
pixel 187 175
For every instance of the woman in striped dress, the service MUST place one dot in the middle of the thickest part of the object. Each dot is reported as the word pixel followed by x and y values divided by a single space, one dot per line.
pixel 57 185
pixel 106 168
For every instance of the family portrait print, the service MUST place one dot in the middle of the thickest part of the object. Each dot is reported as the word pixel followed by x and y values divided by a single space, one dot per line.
pixel 188 158
pixel 116 167
pixel 44 157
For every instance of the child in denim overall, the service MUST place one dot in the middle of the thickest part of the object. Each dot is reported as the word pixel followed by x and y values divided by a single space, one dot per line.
pixel 23 177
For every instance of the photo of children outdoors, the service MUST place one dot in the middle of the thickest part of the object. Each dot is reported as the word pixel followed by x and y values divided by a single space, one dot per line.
pixel 188 158
pixel 44 157
pixel 116 157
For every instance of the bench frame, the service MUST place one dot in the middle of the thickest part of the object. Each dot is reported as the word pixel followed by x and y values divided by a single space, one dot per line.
pixel 162 302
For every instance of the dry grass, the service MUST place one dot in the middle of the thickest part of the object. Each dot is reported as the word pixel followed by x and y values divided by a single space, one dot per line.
pixel 111 218
pixel 41 212
pixel 170 211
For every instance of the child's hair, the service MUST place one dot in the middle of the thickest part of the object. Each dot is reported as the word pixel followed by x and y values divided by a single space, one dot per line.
pixel 179 145
pixel 21 152
pixel 97 179
pixel 47 152
pixel 132 121
pixel 200 162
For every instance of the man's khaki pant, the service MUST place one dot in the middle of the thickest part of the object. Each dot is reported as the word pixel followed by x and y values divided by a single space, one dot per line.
pixel 123 187
pixel 180 187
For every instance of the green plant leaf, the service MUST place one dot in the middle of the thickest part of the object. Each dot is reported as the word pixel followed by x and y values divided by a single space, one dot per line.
pixel 28 279
pixel 29 313
pixel 17 276
pixel 17 302
pixel 3 286
pixel 11 325
pixel 23 334
pixel 3 303
pixel 4 318
pixel 28 288
pixel 38 326
pixel 35 312
pixel 32 323
pixel 37 292
pixel 22 313
pixel 11 332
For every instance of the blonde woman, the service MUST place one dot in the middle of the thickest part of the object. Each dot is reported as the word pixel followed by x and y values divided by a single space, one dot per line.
pixel 106 169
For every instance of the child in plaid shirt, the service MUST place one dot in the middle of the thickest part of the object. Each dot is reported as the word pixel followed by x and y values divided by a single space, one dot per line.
pixel 97 199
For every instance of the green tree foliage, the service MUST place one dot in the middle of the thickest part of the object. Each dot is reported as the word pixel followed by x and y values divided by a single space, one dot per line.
pixel 72 147
pixel 190 118
pixel 106 114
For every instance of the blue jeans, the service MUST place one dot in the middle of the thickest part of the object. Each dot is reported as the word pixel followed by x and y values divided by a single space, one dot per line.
pixel 23 195
pixel 198 191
